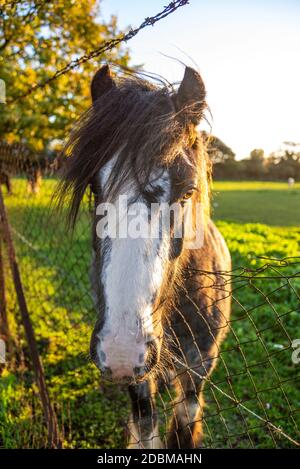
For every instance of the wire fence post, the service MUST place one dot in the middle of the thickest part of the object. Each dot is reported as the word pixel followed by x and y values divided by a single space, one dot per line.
pixel 4 329
pixel 54 440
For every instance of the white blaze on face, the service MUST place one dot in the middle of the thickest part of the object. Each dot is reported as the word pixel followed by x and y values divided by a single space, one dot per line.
pixel 132 274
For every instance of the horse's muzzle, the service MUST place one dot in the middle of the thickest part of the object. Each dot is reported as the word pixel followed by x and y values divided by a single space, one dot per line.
pixel 118 364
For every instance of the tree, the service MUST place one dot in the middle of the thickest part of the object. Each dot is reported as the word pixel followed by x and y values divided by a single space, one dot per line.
pixel 222 157
pixel 217 150
pixel 257 155
pixel 37 37
pixel 255 165
pixel 285 162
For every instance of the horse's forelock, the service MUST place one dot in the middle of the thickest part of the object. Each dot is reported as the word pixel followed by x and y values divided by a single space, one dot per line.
pixel 136 119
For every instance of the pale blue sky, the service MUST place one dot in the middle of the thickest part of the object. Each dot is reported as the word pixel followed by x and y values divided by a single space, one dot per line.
pixel 248 53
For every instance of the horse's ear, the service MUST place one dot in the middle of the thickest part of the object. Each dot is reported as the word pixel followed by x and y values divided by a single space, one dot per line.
pixel 101 83
pixel 190 97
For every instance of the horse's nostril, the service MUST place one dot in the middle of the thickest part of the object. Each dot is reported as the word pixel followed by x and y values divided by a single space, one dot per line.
pixel 139 371
pixel 99 359
pixel 106 372
pixel 141 358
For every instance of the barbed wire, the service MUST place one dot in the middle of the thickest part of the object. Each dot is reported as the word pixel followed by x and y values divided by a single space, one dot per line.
pixel 106 46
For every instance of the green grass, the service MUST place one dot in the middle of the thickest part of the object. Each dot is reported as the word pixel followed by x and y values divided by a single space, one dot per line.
pixel 271 203
pixel 255 367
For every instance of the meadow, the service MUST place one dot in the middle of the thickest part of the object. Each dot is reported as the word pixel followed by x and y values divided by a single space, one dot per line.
pixel 255 368
pixel 268 203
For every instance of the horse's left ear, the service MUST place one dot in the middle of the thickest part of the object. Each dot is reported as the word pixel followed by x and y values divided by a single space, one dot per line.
pixel 102 82
pixel 190 97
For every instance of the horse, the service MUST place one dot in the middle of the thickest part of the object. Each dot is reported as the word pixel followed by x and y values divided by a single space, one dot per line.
pixel 162 305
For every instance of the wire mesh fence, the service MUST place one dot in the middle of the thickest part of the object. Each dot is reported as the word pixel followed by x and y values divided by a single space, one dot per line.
pixel 251 399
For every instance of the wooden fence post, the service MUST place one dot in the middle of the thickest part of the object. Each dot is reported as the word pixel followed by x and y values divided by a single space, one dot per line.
pixel 4 330
pixel 54 440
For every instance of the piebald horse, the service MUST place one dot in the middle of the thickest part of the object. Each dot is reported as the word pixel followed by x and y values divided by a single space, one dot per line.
pixel 162 304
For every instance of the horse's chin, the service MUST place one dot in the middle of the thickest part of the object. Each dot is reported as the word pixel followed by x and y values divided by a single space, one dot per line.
pixel 125 380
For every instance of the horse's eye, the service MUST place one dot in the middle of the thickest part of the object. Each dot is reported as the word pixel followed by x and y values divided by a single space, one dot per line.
pixel 188 195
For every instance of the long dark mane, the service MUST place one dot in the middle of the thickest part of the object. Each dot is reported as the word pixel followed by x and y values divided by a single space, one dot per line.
pixel 137 119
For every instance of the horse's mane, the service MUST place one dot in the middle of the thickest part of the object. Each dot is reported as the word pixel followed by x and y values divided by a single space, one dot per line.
pixel 135 118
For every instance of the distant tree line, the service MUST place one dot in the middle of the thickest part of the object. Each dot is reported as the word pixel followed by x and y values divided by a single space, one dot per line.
pixel 279 165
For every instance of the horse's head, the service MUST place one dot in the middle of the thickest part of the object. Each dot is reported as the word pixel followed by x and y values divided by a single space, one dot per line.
pixel 138 149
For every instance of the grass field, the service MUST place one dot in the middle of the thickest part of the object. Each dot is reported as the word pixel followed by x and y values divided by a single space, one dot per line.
pixel 271 203
pixel 255 368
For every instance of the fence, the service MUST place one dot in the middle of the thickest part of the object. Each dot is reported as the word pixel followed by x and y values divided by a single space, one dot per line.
pixel 252 398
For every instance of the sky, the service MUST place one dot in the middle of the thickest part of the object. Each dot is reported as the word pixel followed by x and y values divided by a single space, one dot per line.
pixel 248 53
